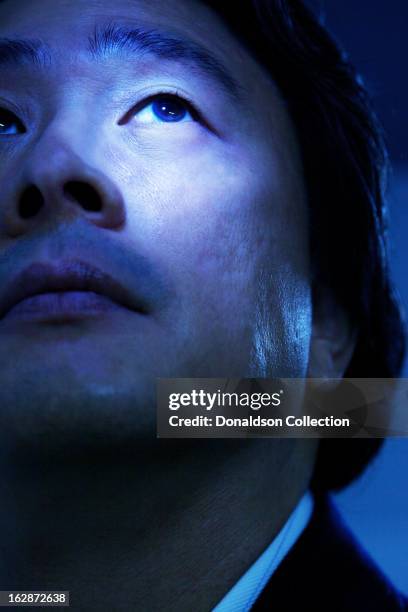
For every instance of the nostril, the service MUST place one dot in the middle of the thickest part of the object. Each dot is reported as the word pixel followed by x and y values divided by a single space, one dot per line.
pixel 31 201
pixel 83 194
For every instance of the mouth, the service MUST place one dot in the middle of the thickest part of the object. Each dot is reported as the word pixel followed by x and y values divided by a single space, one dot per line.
pixel 69 291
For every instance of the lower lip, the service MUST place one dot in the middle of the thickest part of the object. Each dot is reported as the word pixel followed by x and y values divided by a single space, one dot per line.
pixel 62 307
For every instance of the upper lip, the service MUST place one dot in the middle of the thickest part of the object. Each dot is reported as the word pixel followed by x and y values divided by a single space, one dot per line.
pixel 44 277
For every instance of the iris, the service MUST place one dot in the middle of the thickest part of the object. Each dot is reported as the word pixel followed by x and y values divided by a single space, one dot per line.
pixel 169 109
pixel 9 124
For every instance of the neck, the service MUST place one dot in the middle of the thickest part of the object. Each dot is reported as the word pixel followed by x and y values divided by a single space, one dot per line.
pixel 173 529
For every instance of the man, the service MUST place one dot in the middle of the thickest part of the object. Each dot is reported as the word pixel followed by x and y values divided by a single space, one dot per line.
pixel 187 191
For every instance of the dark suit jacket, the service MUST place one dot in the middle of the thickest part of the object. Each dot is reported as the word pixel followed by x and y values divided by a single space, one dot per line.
pixel 328 571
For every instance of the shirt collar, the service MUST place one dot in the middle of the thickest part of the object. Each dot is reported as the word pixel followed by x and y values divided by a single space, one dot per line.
pixel 244 593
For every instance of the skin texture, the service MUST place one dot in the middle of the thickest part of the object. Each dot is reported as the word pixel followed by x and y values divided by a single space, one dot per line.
pixel 195 206
pixel 206 222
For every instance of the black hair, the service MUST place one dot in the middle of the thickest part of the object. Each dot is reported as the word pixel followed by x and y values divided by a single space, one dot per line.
pixel 345 165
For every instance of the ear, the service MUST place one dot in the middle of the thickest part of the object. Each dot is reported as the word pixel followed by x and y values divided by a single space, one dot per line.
pixel 333 337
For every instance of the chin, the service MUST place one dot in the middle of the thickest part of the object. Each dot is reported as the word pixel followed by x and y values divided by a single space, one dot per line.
pixel 55 415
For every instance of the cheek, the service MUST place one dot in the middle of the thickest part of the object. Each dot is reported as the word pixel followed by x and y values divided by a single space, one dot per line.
pixel 218 212
pixel 216 215
pixel 232 233
pixel 202 212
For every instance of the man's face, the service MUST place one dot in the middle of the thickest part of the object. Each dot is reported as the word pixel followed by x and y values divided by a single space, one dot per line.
pixel 144 144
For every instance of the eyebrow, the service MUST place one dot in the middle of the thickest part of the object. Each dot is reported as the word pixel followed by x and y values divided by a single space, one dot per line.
pixel 114 40
pixel 23 52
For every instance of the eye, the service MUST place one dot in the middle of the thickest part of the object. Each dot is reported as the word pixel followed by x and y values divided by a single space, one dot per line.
pixel 10 125
pixel 165 109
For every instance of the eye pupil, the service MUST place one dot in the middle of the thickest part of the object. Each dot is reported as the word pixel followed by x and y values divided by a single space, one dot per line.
pixel 169 109
pixel 10 124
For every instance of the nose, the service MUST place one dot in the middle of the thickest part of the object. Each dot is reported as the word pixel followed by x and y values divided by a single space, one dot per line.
pixel 58 183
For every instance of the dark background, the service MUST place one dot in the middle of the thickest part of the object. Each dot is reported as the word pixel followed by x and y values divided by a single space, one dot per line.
pixel 375 35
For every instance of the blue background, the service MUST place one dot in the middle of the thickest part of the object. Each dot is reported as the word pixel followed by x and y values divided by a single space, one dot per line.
pixel 374 33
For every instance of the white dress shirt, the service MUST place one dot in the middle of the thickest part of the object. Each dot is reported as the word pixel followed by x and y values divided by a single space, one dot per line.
pixel 244 593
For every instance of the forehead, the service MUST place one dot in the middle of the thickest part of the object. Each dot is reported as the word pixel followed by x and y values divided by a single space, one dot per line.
pixel 68 27
pixel 83 12
pixel 68 23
